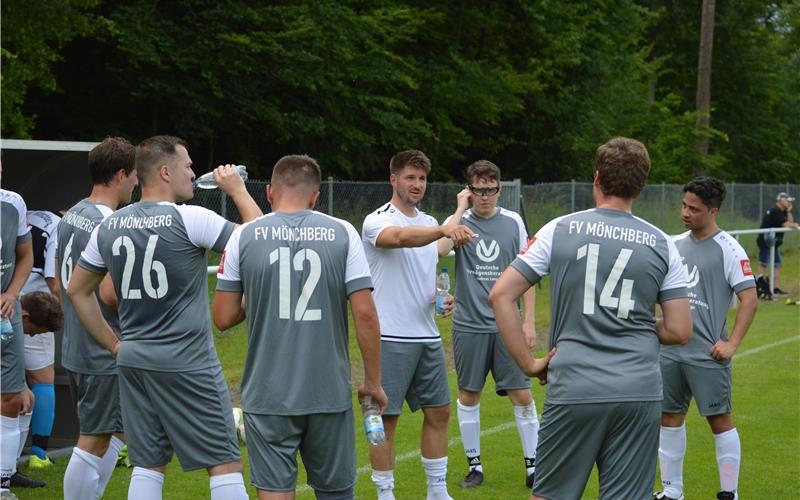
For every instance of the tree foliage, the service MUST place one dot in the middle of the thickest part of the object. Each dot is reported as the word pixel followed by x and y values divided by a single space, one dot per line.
pixel 535 85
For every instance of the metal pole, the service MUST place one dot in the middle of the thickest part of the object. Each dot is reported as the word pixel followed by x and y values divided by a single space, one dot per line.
pixel 663 202
pixel 572 196
pixel 330 196
pixel 223 210
pixel 760 198
pixel 733 205
pixel 771 234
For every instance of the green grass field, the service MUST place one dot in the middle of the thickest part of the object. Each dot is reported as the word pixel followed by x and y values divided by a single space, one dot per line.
pixel 766 412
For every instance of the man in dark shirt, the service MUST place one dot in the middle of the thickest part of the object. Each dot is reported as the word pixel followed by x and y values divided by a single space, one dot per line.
pixel 778 216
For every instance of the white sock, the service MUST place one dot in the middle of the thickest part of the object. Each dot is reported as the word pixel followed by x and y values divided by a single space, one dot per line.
pixel 9 432
pixel 436 473
pixel 384 483
pixel 729 454
pixel 81 477
pixel 469 421
pixel 671 450
pixel 228 487
pixel 24 427
pixel 528 428
pixel 145 484
pixel 107 464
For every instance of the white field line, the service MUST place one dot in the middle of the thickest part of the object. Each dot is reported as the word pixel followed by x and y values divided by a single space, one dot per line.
pixel 764 347
pixel 364 469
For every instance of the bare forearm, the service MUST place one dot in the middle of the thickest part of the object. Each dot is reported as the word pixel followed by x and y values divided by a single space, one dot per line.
pixel 369 343
pixel 409 236
pixel 744 318
pixel 247 206
pixel 529 299
pixel 507 318
pixel 88 310
pixel 22 269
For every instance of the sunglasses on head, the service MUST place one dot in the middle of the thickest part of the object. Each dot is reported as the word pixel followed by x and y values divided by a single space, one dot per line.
pixel 491 191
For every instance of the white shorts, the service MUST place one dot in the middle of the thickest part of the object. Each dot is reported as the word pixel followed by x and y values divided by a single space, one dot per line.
pixel 40 351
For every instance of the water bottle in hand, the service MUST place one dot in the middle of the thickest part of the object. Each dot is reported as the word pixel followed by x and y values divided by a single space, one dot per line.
pixel 206 181
pixel 442 291
pixel 373 423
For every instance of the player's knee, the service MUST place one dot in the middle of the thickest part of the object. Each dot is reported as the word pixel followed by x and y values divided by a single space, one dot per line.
pixel 346 494
pixel 437 417
pixel 520 397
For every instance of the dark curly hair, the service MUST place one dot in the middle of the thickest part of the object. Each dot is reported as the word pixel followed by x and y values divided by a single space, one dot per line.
pixel 709 189
pixel 44 310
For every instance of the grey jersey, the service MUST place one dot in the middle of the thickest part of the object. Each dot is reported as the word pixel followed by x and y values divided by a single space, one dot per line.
pixel 480 263
pixel 155 253
pixel 80 353
pixel 608 269
pixel 14 229
pixel 296 271
pixel 717 267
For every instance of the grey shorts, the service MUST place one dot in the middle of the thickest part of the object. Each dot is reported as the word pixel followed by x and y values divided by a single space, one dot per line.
pixel 96 400
pixel 414 372
pixel 710 387
pixel 477 354
pixel 188 412
pixel 621 438
pixel 326 442
pixel 12 359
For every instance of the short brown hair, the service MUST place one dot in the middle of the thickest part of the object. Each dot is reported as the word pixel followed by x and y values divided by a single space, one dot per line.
pixel 108 157
pixel 413 158
pixel 297 171
pixel 155 151
pixel 44 310
pixel 483 169
pixel 623 165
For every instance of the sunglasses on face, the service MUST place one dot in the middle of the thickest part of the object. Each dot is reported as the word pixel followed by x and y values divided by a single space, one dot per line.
pixel 487 192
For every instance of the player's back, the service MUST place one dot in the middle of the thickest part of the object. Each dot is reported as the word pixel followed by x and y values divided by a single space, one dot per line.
pixel 159 275
pixel 296 271
pixel 79 351
pixel 608 269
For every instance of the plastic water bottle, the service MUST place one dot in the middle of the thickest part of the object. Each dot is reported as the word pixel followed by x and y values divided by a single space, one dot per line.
pixel 206 181
pixel 442 290
pixel 6 330
pixel 373 423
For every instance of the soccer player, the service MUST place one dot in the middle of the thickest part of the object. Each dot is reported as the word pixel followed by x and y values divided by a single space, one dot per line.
pixel 476 346
pixel 172 391
pixel 40 349
pixel 717 267
pixel 16 256
pixel 91 369
pixel 297 269
pixel 608 268
pixel 400 244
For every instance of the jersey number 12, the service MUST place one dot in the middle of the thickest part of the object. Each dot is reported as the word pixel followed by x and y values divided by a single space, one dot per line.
pixel 301 311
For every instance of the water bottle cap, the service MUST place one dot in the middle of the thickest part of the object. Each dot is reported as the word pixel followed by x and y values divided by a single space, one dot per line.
pixel 444 269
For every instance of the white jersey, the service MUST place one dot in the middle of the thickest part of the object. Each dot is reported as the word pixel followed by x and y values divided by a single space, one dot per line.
pixel 44 232
pixel 404 278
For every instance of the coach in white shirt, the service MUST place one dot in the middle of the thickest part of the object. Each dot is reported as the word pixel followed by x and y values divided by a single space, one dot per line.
pixel 401 246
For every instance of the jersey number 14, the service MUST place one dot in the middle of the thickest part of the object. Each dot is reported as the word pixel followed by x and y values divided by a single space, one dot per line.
pixel 623 303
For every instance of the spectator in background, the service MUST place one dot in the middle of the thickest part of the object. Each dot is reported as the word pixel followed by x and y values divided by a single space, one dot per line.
pixel 778 216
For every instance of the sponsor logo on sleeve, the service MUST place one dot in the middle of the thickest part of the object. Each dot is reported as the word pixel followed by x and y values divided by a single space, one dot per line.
pixel 746 269
pixel 531 241
pixel 221 268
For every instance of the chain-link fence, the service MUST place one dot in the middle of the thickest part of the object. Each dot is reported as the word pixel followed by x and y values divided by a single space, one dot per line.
pixel 744 206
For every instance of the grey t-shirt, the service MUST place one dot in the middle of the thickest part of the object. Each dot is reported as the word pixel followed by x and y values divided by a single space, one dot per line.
pixel 480 263
pixel 608 269
pixel 14 230
pixel 155 253
pixel 80 353
pixel 717 267
pixel 296 271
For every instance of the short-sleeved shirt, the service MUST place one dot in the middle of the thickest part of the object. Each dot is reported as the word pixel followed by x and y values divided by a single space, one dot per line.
pixel 80 353
pixel 296 271
pixel 155 253
pixel 404 278
pixel 716 268
pixel 480 263
pixel 44 233
pixel 14 229
pixel 608 269
pixel 775 217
